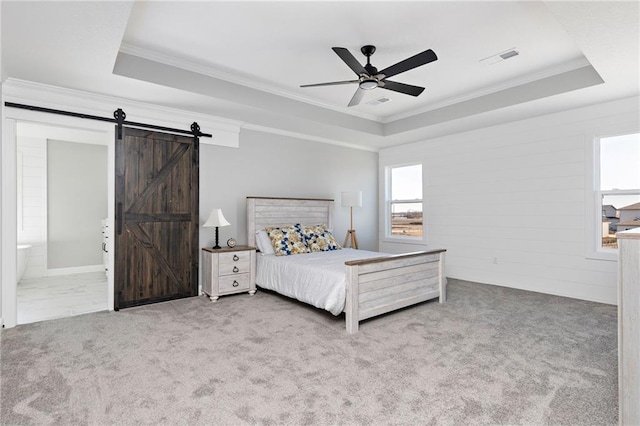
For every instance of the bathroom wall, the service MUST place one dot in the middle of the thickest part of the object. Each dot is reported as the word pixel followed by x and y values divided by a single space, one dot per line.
pixel 76 203
pixel 31 197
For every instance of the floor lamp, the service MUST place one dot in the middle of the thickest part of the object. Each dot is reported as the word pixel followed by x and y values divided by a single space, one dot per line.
pixel 351 200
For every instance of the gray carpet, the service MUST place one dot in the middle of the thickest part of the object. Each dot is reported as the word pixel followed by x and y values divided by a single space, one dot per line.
pixel 490 355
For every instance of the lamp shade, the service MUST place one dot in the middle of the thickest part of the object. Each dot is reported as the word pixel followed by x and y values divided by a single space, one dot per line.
pixel 216 218
pixel 352 199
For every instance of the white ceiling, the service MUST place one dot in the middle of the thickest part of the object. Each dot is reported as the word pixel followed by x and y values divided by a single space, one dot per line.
pixel 246 60
pixel 277 49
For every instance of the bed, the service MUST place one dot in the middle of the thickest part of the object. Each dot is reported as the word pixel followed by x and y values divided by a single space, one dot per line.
pixel 362 284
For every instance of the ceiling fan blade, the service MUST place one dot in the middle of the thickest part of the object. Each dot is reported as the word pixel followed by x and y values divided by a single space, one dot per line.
pixel 333 83
pixel 410 63
pixel 350 60
pixel 357 97
pixel 407 89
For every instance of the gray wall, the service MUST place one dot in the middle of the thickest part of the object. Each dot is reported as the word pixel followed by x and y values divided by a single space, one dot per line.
pixel 278 166
pixel 77 202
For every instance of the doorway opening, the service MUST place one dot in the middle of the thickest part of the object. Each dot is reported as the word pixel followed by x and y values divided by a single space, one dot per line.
pixel 62 214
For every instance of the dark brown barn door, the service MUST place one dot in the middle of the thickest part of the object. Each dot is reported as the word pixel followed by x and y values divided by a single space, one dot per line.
pixel 156 235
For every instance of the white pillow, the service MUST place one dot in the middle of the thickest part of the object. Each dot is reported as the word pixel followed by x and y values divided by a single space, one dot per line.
pixel 264 242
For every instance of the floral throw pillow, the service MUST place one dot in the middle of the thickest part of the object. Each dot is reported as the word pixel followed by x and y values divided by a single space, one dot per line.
pixel 287 240
pixel 319 238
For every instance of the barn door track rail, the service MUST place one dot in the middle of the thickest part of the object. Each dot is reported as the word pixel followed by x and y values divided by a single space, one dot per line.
pixel 118 118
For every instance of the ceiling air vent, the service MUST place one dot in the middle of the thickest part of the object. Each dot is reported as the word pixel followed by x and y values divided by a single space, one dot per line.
pixel 382 100
pixel 499 57
pixel 509 54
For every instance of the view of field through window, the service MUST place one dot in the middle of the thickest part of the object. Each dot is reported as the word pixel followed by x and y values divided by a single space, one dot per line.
pixel 406 201
pixel 619 186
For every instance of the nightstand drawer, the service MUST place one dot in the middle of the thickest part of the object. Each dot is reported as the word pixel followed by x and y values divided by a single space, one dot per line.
pixel 234 263
pixel 234 283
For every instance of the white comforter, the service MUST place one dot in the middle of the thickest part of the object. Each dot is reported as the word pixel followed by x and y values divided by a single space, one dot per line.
pixel 318 279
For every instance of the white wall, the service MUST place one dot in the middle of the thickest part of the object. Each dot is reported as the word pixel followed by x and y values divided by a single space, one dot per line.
pixel 277 166
pixel 31 170
pixel 510 202
pixel 1 138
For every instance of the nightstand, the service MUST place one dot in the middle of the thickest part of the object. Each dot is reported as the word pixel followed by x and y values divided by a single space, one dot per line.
pixel 228 271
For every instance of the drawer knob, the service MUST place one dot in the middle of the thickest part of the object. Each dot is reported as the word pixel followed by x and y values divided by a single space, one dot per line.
pixel 235 283
pixel 235 258
pixel 235 269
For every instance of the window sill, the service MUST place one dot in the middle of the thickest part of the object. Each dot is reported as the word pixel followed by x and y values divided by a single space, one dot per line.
pixel 600 255
pixel 417 242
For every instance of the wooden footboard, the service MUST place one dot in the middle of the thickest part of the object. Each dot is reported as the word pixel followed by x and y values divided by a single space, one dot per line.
pixel 384 284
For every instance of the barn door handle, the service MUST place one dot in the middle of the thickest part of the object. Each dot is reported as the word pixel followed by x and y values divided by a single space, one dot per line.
pixel 235 258
pixel 235 269
pixel 119 218
pixel 235 283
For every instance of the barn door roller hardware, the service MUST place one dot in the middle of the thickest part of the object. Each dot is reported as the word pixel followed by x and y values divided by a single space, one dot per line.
pixel 118 118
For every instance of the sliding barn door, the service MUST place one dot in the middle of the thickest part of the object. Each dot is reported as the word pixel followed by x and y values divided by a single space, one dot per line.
pixel 156 235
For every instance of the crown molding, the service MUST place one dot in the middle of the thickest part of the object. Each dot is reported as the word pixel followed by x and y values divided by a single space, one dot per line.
pixel 281 132
pixel 225 132
pixel 548 72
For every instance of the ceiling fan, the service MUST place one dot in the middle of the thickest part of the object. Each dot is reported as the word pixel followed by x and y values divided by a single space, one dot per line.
pixel 369 77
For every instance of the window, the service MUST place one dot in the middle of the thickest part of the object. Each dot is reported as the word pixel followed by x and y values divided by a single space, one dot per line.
pixel 404 202
pixel 617 188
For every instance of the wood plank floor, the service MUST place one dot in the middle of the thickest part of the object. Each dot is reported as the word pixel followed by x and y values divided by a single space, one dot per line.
pixel 47 298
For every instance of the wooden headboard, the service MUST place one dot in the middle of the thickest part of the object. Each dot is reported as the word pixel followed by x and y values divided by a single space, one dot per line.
pixel 268 211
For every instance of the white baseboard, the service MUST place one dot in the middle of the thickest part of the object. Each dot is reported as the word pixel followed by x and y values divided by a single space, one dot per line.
pixel 74 270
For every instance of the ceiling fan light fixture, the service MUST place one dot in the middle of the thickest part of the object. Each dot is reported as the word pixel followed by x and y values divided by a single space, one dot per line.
pixel 368 83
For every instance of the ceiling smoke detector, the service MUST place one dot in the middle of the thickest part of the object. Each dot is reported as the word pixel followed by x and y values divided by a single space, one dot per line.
pixel 500 57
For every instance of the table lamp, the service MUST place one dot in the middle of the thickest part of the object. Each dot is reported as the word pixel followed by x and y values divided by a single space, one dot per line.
pixel 216 218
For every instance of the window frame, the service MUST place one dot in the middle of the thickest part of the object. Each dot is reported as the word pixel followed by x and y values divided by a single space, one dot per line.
pixel 594 248
pixel 389 203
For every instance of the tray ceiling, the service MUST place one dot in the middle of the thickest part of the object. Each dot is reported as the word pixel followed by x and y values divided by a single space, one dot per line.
pixel 246 60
